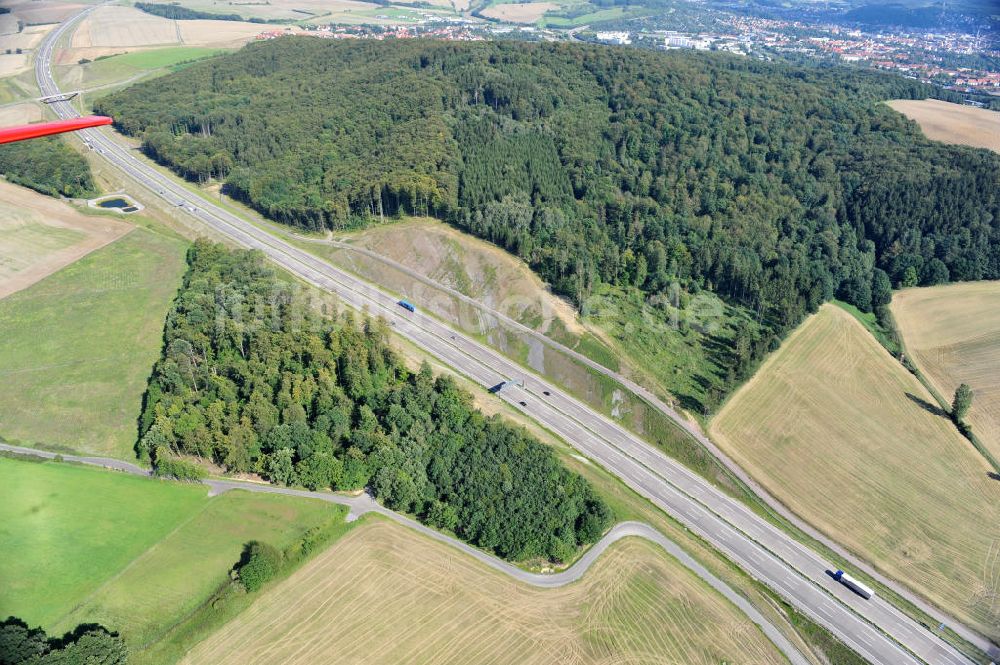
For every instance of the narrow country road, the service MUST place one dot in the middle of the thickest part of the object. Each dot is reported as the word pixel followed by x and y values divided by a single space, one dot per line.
pixel 874 628
pixel 360 505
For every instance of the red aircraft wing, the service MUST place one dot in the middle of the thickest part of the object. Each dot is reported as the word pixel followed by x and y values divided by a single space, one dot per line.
pixel 11 134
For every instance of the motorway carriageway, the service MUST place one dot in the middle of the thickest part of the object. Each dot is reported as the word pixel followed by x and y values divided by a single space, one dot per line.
pixel 873 628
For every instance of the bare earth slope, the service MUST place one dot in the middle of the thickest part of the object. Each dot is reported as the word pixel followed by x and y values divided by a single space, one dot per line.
pixel 383 594
pixel 953 123
pixel 839 431
pixel 474 267
pixel 952 333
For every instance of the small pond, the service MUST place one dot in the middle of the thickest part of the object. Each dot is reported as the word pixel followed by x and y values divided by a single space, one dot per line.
pixel 115 203
pixel 121 203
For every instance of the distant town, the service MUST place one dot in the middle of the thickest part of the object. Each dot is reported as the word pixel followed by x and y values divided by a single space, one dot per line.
pixel 958 61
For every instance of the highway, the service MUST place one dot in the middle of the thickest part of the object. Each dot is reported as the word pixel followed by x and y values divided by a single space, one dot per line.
pixel 690 428
pixel 875 629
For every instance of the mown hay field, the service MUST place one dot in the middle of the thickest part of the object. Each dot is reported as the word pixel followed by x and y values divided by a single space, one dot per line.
pixel 952 333
pixel 384 594
pixel 953 123
pixel 78 345
pixel 843 435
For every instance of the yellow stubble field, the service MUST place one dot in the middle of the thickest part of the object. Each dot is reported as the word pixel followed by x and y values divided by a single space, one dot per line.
pixel 953 123
pixel 952 333
pixel 385 594
pixel 843 435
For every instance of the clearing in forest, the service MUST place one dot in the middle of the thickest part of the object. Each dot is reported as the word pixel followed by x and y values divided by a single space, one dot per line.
pixel 952 333
pixel 669 348
pixel 78 345
pixel 843 435
pixel 384 594
pixel 953 123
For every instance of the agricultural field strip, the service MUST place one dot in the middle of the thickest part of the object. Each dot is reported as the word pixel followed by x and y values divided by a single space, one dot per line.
pixel 362 504
pixel 630 607
pixel 692 430
pixel 871 628
pixel 831 387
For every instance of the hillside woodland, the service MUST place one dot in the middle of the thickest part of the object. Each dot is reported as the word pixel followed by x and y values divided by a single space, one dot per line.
pixel 252 378
pixel 776 187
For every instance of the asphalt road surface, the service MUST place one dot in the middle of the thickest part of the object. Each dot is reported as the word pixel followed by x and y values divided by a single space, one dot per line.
pixel 360 505
pixel 692 430
pixel 873 628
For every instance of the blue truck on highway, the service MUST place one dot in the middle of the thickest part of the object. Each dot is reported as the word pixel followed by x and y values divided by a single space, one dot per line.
pixel 407 305
pixel 854 585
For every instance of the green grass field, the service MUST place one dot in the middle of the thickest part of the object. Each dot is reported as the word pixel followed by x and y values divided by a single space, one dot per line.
pixel 126 66
pixel 164 57
pixel 555 21
pixel 67 529
pixel 79 345
pixel 138 555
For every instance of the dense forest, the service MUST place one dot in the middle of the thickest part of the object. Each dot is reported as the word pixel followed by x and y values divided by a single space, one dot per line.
pixel 774 186
pixel 87 644
pixel 47 165
pixel 252 378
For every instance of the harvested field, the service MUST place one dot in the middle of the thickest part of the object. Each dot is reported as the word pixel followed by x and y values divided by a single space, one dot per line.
pixel 953 123
pixel 114 30
pixel 952 333
pixel 290 10
pixel 841 433
pixel 39 234
pixel 384 594
pixel 13 63
pixel 519 12
pixel 18 114
pixel 223 34
pixel 43 11
pixel 27 38
pixel 117 26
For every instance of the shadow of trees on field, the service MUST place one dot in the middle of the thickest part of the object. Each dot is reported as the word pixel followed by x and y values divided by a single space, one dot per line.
pixel 927 406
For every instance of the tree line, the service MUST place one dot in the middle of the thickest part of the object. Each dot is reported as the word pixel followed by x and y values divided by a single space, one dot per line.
pixel 776 186
pixel 49 166
pixel 87 644
pixel 256 381
pixel 177 12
